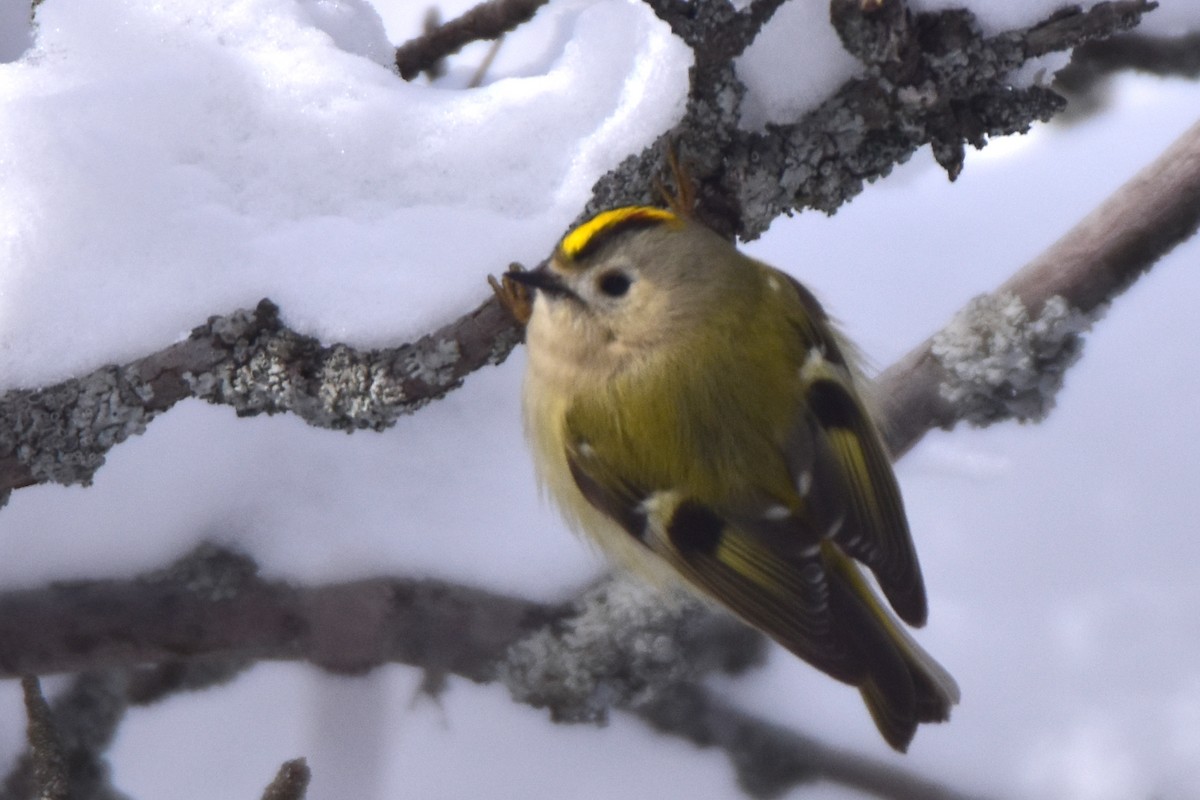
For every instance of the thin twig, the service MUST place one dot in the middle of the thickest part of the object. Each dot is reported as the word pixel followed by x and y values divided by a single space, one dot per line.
pixel 486 64
pixel 49 765
pixel 488 20
pixel 291 782
pixel 82 721
pixel 771 759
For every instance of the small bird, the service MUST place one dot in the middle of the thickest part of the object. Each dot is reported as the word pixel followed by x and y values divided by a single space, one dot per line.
pixel 696 413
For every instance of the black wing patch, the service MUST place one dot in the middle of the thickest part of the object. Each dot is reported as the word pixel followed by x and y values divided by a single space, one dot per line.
pixel 875 528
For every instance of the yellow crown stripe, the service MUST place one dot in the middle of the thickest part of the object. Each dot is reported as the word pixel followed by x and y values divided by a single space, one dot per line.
pixel 608 222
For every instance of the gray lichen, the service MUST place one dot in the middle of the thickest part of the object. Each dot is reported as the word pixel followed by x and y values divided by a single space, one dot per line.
pixel 931 78
pixel 1004 364
pixel 248 360
pixel 212 571
pixel 271 369
pixel 434 365
pixel 60 434
pixel 627 642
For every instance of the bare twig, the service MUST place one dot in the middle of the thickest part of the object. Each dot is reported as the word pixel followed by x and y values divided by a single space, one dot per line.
pixel 1156 55
pixel 481 71
pixel 488 20
pixel 49 766
pixel 1086 80
pixel 291 782
pixel 81 722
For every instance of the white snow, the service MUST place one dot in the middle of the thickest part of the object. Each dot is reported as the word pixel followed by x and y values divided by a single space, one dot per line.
pixel 795 63
pixel 191 158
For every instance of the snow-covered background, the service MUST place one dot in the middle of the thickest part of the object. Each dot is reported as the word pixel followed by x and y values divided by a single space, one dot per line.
pixel 161 162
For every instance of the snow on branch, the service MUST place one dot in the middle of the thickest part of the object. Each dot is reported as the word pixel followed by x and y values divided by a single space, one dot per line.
pixel 931 78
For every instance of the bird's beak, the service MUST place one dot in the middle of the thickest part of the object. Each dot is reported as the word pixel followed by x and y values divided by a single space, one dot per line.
pixel 542 279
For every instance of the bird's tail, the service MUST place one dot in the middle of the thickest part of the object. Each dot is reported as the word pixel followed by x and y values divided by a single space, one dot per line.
pixel 902 685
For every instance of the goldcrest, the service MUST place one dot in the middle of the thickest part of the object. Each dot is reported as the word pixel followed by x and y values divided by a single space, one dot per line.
pixel 695 412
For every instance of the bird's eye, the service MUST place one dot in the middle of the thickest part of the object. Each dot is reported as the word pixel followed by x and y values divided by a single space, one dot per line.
pixel 614 283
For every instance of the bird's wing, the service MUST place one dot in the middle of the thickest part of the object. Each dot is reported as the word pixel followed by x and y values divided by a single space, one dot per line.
pixel 782 591
pixel 841 468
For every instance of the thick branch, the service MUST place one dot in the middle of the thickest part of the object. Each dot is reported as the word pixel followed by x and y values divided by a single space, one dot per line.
pixel 920 69
pixel 928 79
pixel 620 645
pixel 213 604
pixel 252 362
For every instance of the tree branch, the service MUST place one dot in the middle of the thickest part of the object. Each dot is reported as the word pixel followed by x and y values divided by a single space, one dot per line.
pixel 248 360
pixel 928 79
pixel 1086 80
pixel 72 734
pixel 291 782
pixel 488 20
pixel 49 770
pixel 619 645
pixel 770 759
pixel 961 373
pixel 212 604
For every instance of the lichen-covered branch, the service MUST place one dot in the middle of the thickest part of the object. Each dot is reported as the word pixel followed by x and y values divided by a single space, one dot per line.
pixel 1003 357
pixel 928 79
pixel 68 739
pixel 49 772
pixel 618 646
pixel 250 361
